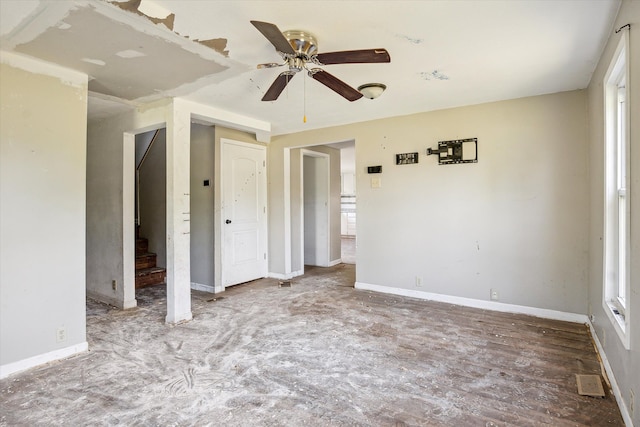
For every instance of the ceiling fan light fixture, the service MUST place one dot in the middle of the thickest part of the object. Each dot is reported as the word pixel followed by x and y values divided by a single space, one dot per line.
pixel 371 90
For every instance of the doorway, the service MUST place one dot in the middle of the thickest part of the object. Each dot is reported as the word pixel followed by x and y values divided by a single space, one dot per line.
pixel 327 234
pixel 150 208
pixel 348 202
pixel 315 197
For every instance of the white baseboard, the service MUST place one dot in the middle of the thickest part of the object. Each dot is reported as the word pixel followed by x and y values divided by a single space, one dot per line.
pixel 41 359
pixel 469 302
pixel 281 276
pixel 335 262
pixel 112 301
pixel 626 416
pixel 203 288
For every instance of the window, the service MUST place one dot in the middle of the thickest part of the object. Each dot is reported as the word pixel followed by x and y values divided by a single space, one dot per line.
pixel 617 206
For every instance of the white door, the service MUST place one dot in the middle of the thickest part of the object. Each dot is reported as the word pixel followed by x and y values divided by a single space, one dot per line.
pixel 244 212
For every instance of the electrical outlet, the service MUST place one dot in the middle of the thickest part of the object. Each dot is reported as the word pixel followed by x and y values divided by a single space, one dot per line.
pixel 114 284
pixel 418 281
pixel 494 295
pixel 61 334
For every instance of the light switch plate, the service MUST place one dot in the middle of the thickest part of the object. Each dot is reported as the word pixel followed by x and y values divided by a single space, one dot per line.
pixel 376 182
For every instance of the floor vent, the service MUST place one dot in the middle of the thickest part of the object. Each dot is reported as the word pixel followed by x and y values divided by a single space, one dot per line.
pixel 590 385
pixel 285 284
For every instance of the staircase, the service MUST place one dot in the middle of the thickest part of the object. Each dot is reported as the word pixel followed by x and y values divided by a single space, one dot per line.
pixel 147 273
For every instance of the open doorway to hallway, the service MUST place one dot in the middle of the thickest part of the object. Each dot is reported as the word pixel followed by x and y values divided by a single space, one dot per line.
pixel 298 211
pixel 342 198
pixel 348 202
pixel 316 205
pixel 150 208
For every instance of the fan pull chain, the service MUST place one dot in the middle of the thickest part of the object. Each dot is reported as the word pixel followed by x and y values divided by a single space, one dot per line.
pixel 304 106
pixel 287 85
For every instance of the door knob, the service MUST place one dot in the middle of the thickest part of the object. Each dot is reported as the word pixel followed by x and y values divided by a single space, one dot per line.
pixel 228 221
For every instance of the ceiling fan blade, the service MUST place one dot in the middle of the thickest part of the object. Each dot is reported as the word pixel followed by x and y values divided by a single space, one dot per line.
pixel 278 86
pixel 335 84
pixel 364 56
pixel 275 36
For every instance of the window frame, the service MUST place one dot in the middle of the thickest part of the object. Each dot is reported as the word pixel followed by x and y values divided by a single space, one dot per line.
pixel 617 209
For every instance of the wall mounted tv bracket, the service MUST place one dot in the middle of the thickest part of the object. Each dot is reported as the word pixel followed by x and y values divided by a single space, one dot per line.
pixel 456 151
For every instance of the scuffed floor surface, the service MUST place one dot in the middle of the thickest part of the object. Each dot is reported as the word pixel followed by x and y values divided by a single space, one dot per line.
pixel 318 353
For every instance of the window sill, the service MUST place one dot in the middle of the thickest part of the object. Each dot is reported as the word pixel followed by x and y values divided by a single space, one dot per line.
pixel 619 322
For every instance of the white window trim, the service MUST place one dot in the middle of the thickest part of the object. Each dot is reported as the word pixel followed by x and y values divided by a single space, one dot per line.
pixel 618 313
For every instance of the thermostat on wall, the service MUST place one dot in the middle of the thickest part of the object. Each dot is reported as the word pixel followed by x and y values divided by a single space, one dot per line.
pixel 374 169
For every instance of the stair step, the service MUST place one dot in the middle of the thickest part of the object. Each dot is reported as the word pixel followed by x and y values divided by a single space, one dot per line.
pixel 142 245
pixel 150 276
pixel 145 260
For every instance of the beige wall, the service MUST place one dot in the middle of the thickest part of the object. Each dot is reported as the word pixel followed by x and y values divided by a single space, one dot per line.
pixel 202 206
pixel 516 221
pixel 625 363
pixel 42 216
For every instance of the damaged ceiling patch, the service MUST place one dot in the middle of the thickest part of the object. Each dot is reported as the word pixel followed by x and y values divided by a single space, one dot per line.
pixel 130 53
pixel 433 75
pixel 409 39
pixel 94 61
pixel 121 71
pixel 219 45
pixel 160 15
pixel 151 12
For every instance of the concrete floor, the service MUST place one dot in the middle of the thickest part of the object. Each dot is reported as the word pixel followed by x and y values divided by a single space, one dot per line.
pixel 317 353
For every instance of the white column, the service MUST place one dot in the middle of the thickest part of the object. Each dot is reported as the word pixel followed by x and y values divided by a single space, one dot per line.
pixel 128 286
pixel 287 212
pixel 178 216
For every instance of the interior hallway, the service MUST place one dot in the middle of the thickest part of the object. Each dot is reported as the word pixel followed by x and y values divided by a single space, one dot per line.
pixel 316 353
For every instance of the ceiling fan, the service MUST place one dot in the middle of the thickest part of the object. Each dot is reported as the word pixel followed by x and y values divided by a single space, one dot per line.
pixel 299 49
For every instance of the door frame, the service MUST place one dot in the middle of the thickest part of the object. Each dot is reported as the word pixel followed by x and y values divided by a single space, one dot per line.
pixel 316 154
pixel 221 220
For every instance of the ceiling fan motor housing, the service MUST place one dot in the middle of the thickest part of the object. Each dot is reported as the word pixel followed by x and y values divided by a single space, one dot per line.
pixel 303 43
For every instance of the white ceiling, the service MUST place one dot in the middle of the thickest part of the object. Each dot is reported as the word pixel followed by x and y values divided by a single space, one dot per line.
pixel 443 53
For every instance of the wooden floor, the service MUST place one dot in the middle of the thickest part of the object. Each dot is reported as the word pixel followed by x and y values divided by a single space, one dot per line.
pixel 318 353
